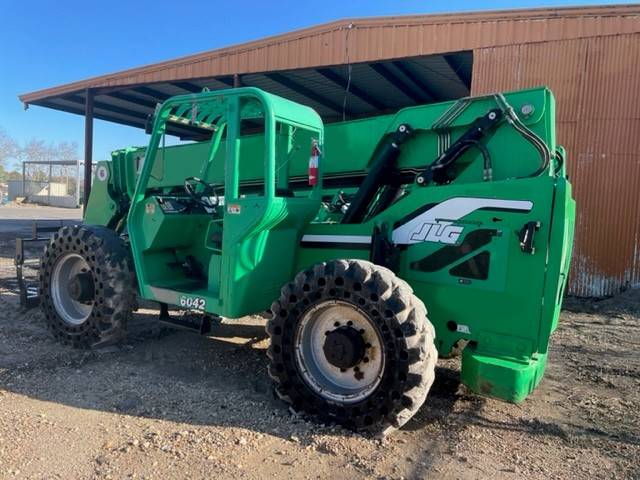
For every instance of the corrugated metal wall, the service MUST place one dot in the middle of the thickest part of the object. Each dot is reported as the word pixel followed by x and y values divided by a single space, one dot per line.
pixel 596 82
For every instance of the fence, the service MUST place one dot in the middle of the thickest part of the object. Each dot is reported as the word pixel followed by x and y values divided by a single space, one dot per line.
pixel 55 183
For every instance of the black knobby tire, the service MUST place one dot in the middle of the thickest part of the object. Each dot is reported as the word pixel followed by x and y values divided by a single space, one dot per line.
pixel 108 259
pixel 400 319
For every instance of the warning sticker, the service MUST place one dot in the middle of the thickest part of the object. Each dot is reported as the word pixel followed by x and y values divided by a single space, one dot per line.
pixel 463 329
pixel 233 209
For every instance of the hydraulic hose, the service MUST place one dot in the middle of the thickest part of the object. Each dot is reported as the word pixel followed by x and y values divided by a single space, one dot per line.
pixel 527 134
pixel 459 106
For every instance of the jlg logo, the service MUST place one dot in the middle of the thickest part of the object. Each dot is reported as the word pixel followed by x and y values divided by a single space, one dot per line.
pixel 444 232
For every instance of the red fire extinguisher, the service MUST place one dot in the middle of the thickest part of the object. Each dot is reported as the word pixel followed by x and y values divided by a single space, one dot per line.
pixel 314 159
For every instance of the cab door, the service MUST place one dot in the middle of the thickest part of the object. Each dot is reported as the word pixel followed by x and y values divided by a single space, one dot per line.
pixel 261 229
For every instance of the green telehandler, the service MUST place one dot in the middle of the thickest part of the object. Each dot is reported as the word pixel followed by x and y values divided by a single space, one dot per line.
pixel 346 234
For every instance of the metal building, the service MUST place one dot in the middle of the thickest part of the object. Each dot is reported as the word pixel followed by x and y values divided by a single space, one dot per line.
pixel 589 57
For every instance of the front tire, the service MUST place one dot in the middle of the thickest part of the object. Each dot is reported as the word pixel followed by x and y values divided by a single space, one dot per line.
pixel 351 343
pixel 87 288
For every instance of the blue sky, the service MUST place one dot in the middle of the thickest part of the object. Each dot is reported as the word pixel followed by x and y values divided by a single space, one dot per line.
pixel 47 43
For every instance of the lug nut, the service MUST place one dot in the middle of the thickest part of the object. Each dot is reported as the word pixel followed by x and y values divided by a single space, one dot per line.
pixel 336 324
pixel 365 359
pixel 349 323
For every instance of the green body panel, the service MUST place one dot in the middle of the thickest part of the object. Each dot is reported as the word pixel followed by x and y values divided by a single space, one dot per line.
pixel 466 263
pixel 102 207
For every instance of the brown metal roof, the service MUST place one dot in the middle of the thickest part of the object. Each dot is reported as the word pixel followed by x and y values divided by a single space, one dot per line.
pixel 396 55
pixel 372 39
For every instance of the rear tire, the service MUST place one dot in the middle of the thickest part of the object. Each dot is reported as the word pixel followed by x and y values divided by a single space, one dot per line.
pixel 87 288
pixel 395 359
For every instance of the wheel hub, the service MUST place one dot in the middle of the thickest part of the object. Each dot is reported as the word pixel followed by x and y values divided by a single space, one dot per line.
pixel 344 347
pixel 72 289
pixel 81 287
pixel 339 351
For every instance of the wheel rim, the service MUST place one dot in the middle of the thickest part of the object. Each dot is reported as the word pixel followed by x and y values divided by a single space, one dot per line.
pixel 344 385
pixel 71 311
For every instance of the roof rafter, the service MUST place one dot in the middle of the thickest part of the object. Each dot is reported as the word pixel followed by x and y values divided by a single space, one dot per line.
pixel 457 70
pixel 397 82
pixel 150 92
pixel 188 86
pixel 354 90
pixel 131 99
pixel 416 81
pixel 226 80
pixel 306 92
pixel 187 131
pixel 107 107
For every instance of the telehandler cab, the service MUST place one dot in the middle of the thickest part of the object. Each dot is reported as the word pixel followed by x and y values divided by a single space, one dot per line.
pixel 346 233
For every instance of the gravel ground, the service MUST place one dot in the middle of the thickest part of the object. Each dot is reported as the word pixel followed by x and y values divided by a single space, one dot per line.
pixel 172 404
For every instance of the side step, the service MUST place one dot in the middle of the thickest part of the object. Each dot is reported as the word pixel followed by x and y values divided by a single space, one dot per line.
pixel 194 322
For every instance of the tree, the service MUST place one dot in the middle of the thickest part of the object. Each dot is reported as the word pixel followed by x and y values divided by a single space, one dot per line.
pixel 8 148
pixel 37 150
pixel 67 151
pixel 6 175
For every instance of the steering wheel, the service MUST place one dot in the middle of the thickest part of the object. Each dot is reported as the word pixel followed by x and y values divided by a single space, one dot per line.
pixel 204 197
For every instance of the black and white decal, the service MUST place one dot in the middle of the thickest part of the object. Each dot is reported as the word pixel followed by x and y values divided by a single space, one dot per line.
pixel 436 224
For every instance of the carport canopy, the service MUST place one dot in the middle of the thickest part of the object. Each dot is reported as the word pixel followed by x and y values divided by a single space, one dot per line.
pixel 336 92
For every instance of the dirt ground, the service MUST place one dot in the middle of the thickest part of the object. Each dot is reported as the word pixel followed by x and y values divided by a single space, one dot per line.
pixel 172 404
